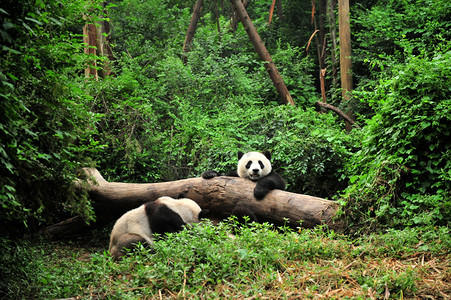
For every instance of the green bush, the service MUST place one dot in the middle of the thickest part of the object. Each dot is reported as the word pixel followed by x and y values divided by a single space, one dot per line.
pixel 45 126
pixel 402 175
pixel 391 32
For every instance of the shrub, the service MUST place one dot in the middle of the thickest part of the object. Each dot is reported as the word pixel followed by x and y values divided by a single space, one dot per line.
pixel 402 174
pixel 45 127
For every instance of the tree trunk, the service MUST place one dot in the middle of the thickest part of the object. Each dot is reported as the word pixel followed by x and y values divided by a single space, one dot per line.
pixel 192 26
pixel 332 31
pixel 234 20
pixel 90 41
pixel 220 195
pixel 320 39
pixel 262 52
pixel 96 36
pixel 280 11
pixel 345 52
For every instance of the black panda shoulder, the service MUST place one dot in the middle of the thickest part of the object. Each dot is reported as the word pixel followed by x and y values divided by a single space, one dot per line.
pixel 278 180
pixel 162 218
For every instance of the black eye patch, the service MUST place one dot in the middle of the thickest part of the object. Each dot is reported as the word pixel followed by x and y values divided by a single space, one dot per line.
pixel 261 164
pixel 248 165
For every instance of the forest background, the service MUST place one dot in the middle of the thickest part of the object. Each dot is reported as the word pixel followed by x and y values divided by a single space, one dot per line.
pixel 164 114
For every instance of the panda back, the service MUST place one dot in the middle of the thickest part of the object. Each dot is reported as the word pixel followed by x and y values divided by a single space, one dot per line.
pixel 185 208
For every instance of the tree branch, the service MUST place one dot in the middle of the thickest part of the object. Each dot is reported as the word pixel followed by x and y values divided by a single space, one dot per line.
pixel 338 111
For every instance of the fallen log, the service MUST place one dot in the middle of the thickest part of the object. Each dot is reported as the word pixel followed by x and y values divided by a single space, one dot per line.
pixel 220 195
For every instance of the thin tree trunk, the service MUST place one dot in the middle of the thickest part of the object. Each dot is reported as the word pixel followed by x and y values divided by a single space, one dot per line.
pixel 280 11
pixel 262 52
pixel 90 41
pixel 345 52
pixel 104 45
pixel 192 26
pixel 333 36
pixel 96 37
pixel 320 39
pixel 234 21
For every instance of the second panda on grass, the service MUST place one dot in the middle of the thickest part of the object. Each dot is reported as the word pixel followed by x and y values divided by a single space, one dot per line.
pixel 257 167
pixel 160 216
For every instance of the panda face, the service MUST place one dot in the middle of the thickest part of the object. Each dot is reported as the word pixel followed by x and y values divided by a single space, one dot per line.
pixel 254 165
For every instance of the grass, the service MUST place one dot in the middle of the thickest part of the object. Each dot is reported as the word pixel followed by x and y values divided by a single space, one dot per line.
pixel 204 262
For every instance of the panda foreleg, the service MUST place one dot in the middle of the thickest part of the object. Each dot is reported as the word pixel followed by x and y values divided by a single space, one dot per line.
pixel 261 190
pixel 266 184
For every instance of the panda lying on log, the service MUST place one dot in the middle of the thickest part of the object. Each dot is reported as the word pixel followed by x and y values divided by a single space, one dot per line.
pixel 160 216
pixel 257 167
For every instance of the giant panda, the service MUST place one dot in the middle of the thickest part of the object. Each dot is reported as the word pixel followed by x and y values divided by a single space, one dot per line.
pixel 257 167
pixel 160 216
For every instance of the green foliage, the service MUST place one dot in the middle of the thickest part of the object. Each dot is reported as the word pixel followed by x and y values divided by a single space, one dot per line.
pixel 391 32
pixel 45 126
pixel 402 174
pixel 168 115
pixel 309 151
pixel 146 30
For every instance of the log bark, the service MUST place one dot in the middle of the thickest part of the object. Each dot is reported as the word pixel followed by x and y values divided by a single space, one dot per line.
pixel 67 228
pixel 262 52
pixel 220 195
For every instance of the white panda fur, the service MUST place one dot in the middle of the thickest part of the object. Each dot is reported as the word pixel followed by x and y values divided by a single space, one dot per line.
pixel 253 165
pixel 162 215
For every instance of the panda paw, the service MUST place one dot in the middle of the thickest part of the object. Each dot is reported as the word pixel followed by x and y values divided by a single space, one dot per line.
pixel 260 193
pixel 209 174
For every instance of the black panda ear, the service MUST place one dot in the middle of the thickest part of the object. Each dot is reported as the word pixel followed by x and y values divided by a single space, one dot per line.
pixel 240 154
pixel 267 154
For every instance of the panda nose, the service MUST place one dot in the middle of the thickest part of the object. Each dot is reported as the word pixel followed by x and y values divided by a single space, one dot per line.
pixel 255 171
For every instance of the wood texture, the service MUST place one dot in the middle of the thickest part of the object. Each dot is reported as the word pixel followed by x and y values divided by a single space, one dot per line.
pixel 220 195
